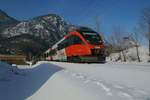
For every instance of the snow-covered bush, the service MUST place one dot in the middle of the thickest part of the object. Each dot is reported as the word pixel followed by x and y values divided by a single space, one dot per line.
pixel 131 55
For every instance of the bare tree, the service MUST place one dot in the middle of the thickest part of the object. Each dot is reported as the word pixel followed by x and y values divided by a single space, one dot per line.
pixel 97 23
pixel 116 40
pixel 136 41
pixel 98 26
pixel 145 25
pixel 136 37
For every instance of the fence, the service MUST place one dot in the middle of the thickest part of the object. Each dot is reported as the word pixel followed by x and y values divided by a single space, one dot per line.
pixel 13 59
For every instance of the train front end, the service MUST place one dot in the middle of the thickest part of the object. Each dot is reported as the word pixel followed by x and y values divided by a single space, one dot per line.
pixel 95 45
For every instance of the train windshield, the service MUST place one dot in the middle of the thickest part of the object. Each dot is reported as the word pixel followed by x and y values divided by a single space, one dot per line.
pixel 92 38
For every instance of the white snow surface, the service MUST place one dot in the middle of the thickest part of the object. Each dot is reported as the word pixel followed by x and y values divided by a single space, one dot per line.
pixel 70 81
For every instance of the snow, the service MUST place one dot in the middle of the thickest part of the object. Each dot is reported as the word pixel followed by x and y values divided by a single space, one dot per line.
pixel 70 81
pixel 39 26
pixel 27 82
pixel 5 71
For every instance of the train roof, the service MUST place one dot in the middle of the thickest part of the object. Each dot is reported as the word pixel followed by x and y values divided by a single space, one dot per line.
pixel 85 29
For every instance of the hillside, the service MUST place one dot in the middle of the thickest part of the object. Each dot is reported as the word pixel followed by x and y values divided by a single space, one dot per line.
pixel 6 21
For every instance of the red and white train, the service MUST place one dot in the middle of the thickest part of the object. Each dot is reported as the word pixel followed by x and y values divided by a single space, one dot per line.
pixel 80 45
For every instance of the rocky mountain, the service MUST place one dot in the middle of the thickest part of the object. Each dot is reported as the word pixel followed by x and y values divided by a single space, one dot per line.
pixel 50 27
pixel 32 36
pixel 6 21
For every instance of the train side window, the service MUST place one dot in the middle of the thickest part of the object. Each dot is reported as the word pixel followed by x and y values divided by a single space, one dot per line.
pixel 52 52
pixel 75 40
pixel 66 43
pixel 45 54
pixel 63 44
pixel 69 41
pixel 59 46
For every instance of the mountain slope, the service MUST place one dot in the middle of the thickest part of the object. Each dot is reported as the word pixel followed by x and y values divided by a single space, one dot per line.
pixel 23 44
pixel 6 21
pixel 47 26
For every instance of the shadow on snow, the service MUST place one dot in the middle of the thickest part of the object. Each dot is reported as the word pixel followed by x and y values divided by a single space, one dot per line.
pixel 25 86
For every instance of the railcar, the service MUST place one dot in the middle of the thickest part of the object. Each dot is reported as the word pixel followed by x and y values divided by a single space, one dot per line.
pixel 80 45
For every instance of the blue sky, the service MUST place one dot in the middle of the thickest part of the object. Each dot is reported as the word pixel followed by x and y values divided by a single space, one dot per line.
pixel 123 13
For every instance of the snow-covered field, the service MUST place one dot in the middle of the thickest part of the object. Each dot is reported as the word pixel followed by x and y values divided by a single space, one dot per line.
pixel 69 81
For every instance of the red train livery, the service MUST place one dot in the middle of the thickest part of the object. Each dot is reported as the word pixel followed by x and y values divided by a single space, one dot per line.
pixel 80 45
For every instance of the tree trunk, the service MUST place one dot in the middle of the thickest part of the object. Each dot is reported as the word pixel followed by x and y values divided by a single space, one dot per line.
pixel 137 51
pixel 124 56
pixel 149 42
pixel 149 47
